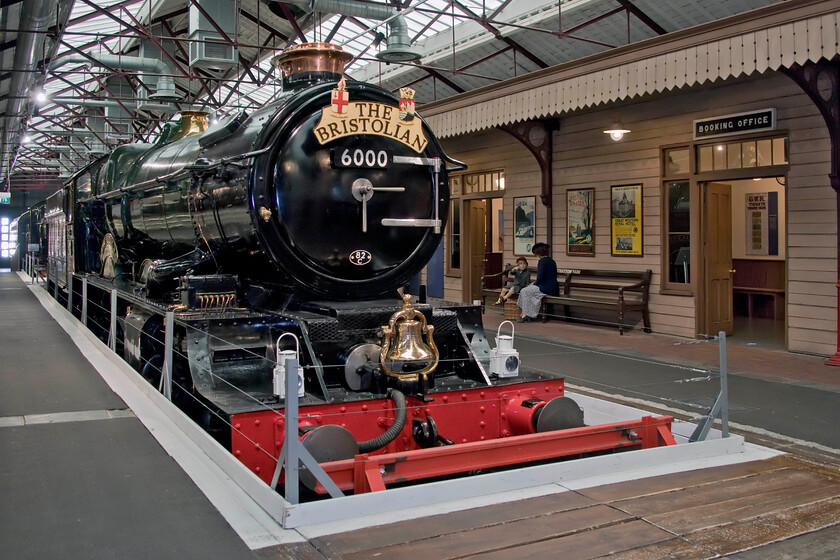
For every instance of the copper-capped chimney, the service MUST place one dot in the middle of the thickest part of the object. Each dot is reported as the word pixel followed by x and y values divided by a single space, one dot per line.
pixel 310 63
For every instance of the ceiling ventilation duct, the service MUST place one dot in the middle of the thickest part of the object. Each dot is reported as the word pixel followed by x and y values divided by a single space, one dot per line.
pixel 117 118
pixel 161 49
pixel 208 47
pixel 399 44
pixel 165 90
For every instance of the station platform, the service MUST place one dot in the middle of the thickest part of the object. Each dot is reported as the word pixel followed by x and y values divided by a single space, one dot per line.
pixel 83 477
pixel 80 475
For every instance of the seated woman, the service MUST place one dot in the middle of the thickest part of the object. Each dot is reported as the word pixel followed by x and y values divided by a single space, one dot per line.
pixel 545 284
pixel 520 278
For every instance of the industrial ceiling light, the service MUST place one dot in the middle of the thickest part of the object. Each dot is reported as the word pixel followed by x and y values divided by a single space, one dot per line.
pixel 617 130
pixel 39 96
pixel 399 47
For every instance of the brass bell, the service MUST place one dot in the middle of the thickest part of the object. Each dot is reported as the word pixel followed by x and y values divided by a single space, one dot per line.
pixel 409 345
pixel 404 343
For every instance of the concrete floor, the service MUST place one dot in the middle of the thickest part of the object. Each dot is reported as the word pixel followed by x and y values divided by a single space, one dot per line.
pixel 80 476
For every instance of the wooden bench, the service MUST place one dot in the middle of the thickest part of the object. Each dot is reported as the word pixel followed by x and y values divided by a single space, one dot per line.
pixel 758 278
pixel 620 290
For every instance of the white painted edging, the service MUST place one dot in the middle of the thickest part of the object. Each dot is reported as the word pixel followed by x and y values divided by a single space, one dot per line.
pixel 246 502
pixel 257 512
pixel 579 473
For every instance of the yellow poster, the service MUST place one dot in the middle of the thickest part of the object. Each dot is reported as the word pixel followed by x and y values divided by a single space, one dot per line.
pixel 626 220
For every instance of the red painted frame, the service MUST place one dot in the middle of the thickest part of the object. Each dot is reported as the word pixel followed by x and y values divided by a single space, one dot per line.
pixel 485 423
pixel 366 473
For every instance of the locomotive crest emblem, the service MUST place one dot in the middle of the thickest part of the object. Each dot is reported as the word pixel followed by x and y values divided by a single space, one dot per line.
pixel 358 118
pixel 340 99
pixel 406 104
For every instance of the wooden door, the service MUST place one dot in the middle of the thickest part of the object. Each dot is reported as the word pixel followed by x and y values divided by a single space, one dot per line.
pixel 478 236
pixel 718 254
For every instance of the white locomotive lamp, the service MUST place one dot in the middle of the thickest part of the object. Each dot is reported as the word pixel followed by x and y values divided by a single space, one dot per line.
pixel 280 369
pixel 504 359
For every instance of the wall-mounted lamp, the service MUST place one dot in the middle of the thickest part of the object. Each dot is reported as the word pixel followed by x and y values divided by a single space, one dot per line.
pixel 617 131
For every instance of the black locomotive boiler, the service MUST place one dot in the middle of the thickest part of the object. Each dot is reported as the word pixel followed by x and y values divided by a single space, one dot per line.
pixel 303 218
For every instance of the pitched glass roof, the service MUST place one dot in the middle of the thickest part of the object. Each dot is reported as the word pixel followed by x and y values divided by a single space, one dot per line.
pixel 358 36
pixel 466 44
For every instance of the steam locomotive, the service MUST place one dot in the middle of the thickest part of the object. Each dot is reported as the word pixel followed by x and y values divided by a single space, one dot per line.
pixel 304 218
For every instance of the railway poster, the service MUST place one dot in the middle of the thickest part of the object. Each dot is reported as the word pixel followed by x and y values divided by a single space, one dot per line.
pixel 524 224
pixel 756 204
pixel 580 221
pixel 626 220
pixel 762 222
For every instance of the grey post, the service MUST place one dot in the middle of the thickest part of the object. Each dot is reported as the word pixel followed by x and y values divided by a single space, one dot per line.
pixel 721 405
pixel 84 301
pixel 112 336
pixel 291 441
pixel 724 387
pixel 293 452
pixel 70 292
pixel 167 355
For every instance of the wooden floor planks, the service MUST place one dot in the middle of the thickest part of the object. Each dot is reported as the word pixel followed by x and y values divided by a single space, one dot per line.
pixel 510 535
pixel 676 481
pixel 724 510
pixel 693 515
pixel 456 522
pixel 606 541
pixel 773 526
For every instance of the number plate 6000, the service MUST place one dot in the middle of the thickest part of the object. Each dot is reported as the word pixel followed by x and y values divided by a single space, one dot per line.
pixel 360 158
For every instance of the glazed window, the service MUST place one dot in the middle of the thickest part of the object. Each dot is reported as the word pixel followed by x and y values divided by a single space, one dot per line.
pixel 678 217
pixel 453 261
pixel 676 161
pixel 6 245
pixel 455 237
pixel 493 181
pixel 741 155
pixel 677 167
